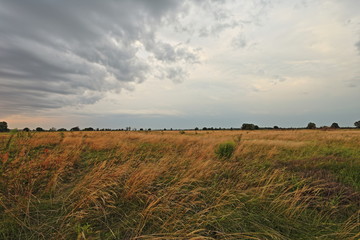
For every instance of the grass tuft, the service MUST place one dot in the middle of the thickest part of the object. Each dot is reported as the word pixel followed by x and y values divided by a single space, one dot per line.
pixel 225 150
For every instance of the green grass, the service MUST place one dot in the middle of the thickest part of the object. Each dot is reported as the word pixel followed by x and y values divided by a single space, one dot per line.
pixel 225 150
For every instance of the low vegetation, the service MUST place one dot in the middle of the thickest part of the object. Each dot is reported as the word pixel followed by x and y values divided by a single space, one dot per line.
pixel 267 184
pixel 225 150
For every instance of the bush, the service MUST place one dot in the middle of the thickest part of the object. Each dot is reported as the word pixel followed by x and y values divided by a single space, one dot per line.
pixel 225 150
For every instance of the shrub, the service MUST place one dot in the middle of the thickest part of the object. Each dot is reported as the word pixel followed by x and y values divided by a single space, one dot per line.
pixel 225 150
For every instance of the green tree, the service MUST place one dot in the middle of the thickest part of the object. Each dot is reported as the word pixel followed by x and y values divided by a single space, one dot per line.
pixel 3 127
pixel 335 125
pixel 75 129
pixel 357 124
pixel 26 129
pixel 39 129
pixel 311 125
pixel 249 126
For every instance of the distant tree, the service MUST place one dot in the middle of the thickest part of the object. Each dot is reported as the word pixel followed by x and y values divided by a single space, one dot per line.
pixel 52 129
pixel 276 127
pixel 335 125
pixel 88 129
pixel 62 130
pixel 357 124
pixel 311 125
pixel 196 129
pixel 149 129
pixel 4 127
pixel 141 129
pixel 75 129
pixel 39 129
pixel 26 129
pixel 204 128
pixel 249 126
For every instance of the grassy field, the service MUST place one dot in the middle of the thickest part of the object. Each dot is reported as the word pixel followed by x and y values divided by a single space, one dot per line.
pixel 266 184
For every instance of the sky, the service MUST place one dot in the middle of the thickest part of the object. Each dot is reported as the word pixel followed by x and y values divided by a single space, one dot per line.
pixel 179 64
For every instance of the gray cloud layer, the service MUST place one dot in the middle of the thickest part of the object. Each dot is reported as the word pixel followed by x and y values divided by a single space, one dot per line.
pixel 357 45
pixel 58 53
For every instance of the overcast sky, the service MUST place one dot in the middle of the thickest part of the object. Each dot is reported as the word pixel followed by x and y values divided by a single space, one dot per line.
pixel 179 64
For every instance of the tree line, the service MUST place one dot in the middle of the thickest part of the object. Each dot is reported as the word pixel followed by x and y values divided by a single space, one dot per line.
pixel 245 126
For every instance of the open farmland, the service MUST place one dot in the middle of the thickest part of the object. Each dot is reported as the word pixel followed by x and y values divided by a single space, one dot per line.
pixel 300 184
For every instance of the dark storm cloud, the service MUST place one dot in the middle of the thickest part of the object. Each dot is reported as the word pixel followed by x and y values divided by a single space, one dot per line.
pixel 57 53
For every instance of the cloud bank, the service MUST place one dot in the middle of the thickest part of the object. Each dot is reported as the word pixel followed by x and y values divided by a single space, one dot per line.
pixel 58 53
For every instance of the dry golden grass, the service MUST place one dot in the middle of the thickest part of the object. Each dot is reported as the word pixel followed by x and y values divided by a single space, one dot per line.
pixel 296 184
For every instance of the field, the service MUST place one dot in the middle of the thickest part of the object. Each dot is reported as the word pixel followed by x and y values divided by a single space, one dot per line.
pixel 265 184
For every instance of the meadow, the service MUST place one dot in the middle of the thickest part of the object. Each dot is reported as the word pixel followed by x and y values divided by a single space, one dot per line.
pixel 264 184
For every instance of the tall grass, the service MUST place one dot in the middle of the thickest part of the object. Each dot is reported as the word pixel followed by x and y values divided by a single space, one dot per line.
pixel 166 185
